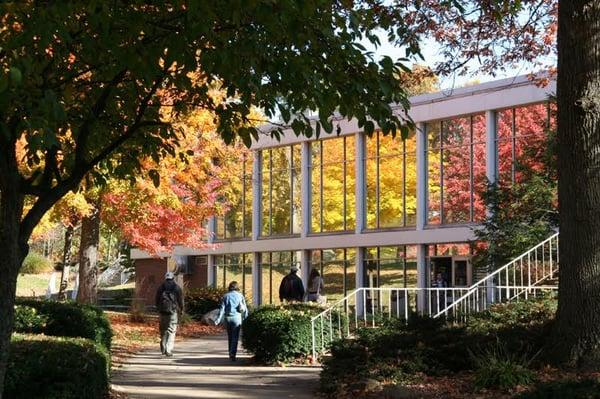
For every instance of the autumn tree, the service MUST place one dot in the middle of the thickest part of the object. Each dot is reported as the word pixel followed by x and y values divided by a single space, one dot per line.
pixel 493 35
pixel 577 333
pixel 80 83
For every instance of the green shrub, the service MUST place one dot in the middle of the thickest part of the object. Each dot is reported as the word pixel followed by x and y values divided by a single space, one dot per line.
pixel 199 301
pixel 35 263
pixel 498 368
pixel 586 389
pixel 69 319
pixel 56 368
pixel 29 320
pixel 432 347
pixel 283 333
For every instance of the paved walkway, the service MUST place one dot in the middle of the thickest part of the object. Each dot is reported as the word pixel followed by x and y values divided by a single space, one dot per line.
pixel 200 368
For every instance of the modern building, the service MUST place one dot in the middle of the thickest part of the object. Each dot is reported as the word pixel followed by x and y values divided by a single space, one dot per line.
pixel 371 211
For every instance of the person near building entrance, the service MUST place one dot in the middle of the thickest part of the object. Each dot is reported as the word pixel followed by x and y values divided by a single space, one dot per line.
pixel 169 303
pixel 441 295
pixel 315 288
pixel 233 308
pixel 291 288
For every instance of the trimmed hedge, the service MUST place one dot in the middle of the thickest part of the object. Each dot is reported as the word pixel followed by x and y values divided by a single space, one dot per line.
pixel 199 301
pixel 56 368
pixel 283 333
pixel 64 319
pixel 29 320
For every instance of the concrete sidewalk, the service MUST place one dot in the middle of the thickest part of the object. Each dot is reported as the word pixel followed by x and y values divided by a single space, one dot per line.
pixel 200 368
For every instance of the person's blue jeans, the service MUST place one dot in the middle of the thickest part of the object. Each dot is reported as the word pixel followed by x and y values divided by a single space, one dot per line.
pixel 234 325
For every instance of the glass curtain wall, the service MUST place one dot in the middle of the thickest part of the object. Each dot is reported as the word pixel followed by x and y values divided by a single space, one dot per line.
pixel 237 198
pixel 391 180
pixel 274 266
pixel 338 269
pixel 234 267
pixel 456 170
pixel 391 266
pixel 522 141
pixel 281 200
pixel 332 182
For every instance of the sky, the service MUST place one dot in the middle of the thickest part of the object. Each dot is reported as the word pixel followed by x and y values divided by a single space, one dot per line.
pixel 430 50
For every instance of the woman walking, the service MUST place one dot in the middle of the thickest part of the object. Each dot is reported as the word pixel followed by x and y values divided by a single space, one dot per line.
pixel 233 307
pixel 315 287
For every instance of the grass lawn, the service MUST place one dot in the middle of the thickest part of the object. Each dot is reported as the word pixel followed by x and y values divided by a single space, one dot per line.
pixel 33 284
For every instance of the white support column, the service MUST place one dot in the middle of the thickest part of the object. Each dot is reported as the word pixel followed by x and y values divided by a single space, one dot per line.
pixel 256 227
pixel 256 195
pixel 305 267
pixel 211 275
pixel 491 170
pixel 211 278
pixel 256 279
pixel 305 189
pixel 422 277
pixel 360 212
pixel 491 153
pixel 422 203
pixel 360 278
pixel 421 176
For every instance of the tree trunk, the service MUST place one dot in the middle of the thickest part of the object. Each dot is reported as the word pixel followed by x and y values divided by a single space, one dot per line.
pixel 577 332
pixel 66 261
pixel 13 249
pixel 88 257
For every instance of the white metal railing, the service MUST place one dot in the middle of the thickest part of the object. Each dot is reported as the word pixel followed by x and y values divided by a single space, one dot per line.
pixel 367 307
pixel 517 279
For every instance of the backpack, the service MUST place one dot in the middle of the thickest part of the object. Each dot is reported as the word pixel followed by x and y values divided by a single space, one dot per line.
pixel 168 303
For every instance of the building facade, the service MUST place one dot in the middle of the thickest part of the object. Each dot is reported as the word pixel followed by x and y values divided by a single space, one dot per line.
pixel 373 211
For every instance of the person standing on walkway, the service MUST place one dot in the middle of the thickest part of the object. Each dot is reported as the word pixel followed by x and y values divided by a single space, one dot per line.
pixel 169 303
pixel 291 288
pixel 315 287
pixel 233 308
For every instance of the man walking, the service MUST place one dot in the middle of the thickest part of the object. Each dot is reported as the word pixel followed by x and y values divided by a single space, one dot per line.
pixel 291 288
pixel 169 303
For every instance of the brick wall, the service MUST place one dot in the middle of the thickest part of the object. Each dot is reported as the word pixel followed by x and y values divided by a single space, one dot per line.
pixel 149 275
pixel 198 276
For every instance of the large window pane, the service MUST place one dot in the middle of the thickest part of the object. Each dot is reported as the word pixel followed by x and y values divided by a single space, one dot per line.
pixel 281 191
pixel 434 199
pixel 332 185
pixel 456 153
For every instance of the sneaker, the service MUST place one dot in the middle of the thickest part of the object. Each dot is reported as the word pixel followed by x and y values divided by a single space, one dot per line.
pixel 168 354
pixel 232 358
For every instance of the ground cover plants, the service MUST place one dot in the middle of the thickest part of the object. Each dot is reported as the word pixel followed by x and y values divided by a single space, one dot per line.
pixel 498 351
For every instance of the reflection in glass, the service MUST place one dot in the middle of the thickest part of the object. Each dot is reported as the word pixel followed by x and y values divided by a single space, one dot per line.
pixel 281 198
pixel 332 185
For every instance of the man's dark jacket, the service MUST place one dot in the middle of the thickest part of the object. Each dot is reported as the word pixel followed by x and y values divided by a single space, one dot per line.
pixel 170 285
pixel 296 291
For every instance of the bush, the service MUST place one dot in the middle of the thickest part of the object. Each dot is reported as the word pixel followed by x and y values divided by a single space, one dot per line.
pixel 199 301
pixel 432 347
pixel 497 368
pixel 29 320
pixel 69 319
pixel 56 368
pixel 586 389
pixel 35 263
pixel 283 333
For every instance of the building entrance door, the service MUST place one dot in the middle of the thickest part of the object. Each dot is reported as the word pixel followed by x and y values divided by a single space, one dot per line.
pixel 450 271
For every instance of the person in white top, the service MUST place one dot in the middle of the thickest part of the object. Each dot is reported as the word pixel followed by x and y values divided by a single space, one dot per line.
pixel 315 287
